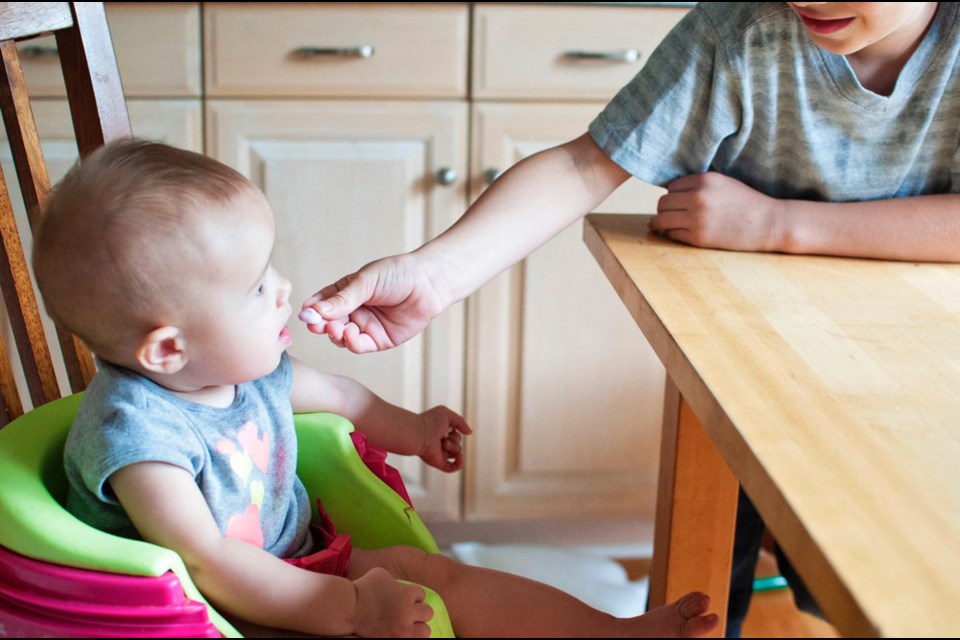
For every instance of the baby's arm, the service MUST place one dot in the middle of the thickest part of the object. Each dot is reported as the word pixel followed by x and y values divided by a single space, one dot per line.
pixel 713 210
pixel 434 435
pixel 168 509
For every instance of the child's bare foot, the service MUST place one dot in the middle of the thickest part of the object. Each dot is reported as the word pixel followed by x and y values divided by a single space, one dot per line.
pixel 685 618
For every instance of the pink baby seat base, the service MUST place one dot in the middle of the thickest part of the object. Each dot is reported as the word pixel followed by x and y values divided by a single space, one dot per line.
pixel 43 599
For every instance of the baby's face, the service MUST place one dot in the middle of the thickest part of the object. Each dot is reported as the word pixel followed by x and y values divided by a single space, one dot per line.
pixel 845 28
pixel 240 329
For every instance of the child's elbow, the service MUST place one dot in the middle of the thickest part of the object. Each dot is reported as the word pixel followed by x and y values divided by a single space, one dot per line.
pixel 594 166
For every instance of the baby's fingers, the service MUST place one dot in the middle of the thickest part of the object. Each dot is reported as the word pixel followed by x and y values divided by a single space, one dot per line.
pixel 452 446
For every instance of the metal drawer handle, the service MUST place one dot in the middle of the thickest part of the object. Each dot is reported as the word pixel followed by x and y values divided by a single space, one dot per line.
pixel 363 51
pixel 39 51
pixel 627 55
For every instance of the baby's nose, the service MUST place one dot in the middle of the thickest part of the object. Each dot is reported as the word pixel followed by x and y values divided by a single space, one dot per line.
pixel 284 291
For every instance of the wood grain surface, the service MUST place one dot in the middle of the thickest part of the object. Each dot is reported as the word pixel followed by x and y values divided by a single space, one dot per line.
pixel 830 386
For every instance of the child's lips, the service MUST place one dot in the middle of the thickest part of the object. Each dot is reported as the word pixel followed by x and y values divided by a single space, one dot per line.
pixel 824 27
pixel 285 338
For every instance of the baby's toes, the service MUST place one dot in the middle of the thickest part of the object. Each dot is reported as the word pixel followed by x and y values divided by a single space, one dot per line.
pixel 693 604
pixel 699 626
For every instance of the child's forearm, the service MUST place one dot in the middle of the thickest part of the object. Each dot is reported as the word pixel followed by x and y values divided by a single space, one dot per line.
pixel 528 205
pixel 922 228
pixel 253 585
pixel 384 424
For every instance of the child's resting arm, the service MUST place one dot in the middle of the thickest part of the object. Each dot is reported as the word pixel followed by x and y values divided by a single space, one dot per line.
pixel 713 210
pixel 434 435
pixel 168 509
pixel 391 300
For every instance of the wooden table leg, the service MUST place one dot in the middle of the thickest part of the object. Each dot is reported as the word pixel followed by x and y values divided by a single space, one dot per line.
pixel 696 513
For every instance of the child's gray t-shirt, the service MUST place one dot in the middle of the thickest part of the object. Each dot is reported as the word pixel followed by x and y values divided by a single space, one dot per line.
pixel 740 88
pixel 242 457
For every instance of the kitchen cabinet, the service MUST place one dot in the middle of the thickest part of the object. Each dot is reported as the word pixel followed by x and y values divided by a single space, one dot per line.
pixel 568 394
pixel 371 127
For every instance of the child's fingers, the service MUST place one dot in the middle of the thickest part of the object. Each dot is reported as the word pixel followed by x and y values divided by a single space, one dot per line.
pixel 681 235
pixel 453 419
pixel 686 183
pixel 357 340
pixel 341 298
pixel 669 221
pixel 674 202
pixel 334 331
pixel 453 463
pixel 452 446
pixel 459 424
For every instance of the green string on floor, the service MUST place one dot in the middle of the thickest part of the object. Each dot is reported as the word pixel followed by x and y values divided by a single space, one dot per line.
pixel 769 583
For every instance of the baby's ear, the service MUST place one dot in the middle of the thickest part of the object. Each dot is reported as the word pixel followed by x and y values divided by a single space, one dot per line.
pixel 163 350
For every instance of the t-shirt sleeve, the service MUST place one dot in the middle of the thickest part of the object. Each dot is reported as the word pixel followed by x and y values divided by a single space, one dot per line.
pixel 125 434
pixel 671 118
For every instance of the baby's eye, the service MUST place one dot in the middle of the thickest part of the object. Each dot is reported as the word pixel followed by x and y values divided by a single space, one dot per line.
pixel 260 290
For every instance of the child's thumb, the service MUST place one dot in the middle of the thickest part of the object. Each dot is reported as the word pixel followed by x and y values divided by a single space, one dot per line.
pixel 332 304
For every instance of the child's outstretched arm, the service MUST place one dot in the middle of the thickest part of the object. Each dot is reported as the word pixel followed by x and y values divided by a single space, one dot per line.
pixel 168 509
pixel 713 210
pixel 391 300
pixel 434 435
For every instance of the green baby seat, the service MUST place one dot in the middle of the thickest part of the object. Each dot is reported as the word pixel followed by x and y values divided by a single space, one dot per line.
pixel 59 576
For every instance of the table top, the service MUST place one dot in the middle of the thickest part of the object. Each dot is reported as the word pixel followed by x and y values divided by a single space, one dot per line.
pixel 832 388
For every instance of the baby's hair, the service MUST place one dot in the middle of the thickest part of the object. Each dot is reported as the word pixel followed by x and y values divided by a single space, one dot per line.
pixel 119 232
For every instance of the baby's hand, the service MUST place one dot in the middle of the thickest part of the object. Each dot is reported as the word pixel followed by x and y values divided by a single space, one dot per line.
pixel 441 438
pixel 387 608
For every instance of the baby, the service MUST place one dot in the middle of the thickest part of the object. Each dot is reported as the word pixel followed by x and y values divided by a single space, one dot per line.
pixel 159 259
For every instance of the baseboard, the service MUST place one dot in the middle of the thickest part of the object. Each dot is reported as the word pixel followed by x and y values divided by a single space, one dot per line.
pixel 613 538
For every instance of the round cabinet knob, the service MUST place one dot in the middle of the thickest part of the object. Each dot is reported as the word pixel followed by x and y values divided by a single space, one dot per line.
pixel 491 174
pixel 446 176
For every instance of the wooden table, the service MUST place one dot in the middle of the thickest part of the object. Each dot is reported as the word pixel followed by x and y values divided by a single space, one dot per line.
pixel 831 389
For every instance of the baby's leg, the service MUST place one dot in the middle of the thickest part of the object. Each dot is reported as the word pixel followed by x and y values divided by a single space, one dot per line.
pixel 487 603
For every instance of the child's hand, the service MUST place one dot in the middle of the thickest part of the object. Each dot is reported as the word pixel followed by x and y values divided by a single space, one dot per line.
pixel 441 438
pixel 714 210
pixel 387 608
pixel 382 305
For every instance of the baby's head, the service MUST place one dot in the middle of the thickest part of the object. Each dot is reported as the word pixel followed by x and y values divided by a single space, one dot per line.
pixel 159 259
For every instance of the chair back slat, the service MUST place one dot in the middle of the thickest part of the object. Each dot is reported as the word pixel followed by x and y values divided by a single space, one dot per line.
pixel 97 104
pixel 10 405
pixel 24 19
pixel 34 185
pixel 22 309
pixel 99 114
pixel 22 132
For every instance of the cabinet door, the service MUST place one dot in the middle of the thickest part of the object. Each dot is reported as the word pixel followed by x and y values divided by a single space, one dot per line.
pixel 562 386
pixel 176 122
pixel 350 182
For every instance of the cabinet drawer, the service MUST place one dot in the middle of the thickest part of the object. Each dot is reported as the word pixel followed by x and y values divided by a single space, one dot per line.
pixel 157 47
pixel 306 49
pixel 563 52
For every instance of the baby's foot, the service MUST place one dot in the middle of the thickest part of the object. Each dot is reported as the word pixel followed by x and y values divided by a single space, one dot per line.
pixel 685 618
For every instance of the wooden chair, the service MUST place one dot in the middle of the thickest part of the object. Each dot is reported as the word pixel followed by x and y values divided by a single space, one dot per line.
pixel 99 114
pixel 58 576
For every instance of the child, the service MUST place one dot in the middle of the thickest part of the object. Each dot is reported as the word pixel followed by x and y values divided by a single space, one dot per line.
pixel 803 127
pixel 159 259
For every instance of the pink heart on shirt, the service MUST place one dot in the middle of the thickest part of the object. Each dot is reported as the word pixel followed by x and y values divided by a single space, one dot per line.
pixel 246 527
pixel 259 449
